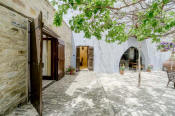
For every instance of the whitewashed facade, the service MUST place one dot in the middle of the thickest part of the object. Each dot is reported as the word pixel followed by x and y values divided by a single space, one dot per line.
pixel 107 56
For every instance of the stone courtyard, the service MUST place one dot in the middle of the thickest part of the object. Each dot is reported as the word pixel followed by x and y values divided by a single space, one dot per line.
pixel 101 94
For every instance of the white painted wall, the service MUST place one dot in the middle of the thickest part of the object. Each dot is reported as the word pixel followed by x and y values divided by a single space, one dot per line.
pixel 107 56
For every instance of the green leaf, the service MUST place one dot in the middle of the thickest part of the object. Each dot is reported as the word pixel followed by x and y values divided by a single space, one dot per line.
pixel 96 19
pixel 58 19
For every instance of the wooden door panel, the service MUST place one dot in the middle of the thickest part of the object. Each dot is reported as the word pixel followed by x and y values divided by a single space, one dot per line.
pixel 78 59
pixel 54 56
pixel 61 60
pixel 36 63
pixel 90 58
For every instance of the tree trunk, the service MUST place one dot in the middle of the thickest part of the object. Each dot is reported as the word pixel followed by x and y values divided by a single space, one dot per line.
pixel 139 62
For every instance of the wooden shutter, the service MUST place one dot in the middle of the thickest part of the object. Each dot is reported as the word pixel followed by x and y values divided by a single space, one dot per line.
pixel 61 60
pixel 78 59
pixel 36 63
pixel 90 58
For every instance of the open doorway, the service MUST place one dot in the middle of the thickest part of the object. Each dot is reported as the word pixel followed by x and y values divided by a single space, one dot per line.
pixel 84 58
pixel 53 59
pixel 49 60
pixel 47 53
pixel 130 59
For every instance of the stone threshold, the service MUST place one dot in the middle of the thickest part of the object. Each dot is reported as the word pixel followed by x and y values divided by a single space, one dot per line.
pixel 48 85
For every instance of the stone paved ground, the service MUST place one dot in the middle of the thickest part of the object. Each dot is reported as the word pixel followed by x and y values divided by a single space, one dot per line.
pixel 153 98
pixel 46 83
pixel 72 96
pixel 25 110
pixel 98 94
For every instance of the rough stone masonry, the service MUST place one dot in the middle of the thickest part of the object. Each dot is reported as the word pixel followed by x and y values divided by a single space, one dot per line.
pixel 13 59
pixel 14 47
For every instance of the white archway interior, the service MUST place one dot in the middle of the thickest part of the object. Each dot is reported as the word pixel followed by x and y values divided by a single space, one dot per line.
pixel 130 59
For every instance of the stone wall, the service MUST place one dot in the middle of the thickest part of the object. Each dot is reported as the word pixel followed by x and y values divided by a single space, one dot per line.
pixel 13 59
pixel 32 8
pixel 14 47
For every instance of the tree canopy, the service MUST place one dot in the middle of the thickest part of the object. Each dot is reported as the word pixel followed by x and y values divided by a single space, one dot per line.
pixel 117 20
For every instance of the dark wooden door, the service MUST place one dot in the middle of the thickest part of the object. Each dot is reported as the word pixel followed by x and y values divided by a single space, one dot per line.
pixel 78 59
pixel 91 58
pixel 61 60
pixel 55 59
pixel 36 63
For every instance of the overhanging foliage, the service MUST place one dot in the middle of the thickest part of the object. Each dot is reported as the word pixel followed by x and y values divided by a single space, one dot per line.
pixel 118 20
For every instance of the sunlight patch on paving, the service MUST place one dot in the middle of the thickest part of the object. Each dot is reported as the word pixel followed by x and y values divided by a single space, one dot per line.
pixel 152 98
pixel 92 94
pixel 83 79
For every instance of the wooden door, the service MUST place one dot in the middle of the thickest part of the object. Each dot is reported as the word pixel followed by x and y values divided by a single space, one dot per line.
pixel 90 58
pixel 83 57
pixel 61 60
pixel 55 59
pixel 78 59
pixel 36 63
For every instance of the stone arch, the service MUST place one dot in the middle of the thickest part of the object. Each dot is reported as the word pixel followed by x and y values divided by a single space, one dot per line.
pixel 126 59
pixel 132 43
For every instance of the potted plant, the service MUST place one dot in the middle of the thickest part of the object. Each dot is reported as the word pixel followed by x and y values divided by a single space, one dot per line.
pixel 70 70
pixel 163 50
pixel 165 46
pixel 149 68
pixel 122 69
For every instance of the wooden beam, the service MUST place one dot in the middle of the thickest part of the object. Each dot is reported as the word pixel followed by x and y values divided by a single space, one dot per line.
pixel 49 32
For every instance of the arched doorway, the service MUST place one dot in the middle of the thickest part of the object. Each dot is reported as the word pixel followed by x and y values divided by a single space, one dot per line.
pixel 130 59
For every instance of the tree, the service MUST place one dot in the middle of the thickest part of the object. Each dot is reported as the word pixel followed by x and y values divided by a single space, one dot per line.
pixel 118 20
